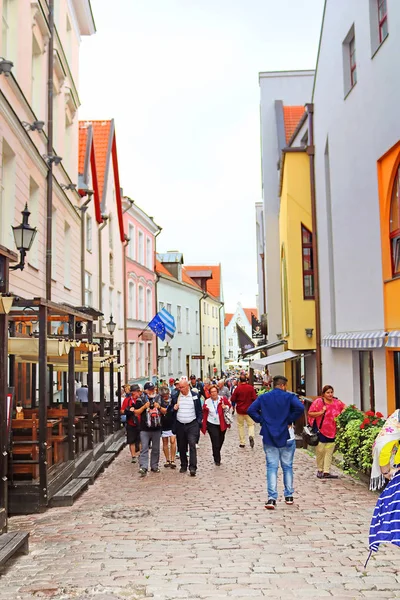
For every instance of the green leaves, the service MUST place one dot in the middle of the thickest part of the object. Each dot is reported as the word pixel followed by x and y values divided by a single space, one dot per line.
pixel 356 433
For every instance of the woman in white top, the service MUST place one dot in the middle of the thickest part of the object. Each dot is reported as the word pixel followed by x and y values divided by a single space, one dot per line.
pixel 214 421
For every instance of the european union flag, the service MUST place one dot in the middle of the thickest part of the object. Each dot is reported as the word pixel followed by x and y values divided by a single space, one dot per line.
pixel 157 325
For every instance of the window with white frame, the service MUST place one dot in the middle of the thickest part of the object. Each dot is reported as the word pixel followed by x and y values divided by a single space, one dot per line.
pixel 103 297
pixel 141 247
pixel 208 308
pixel 131 243
pixel 149 262
pixel 141 303
pixel 230 342
pixel 9 29
pixel 111 268
pixel 132 360
pixel 196 316
pixel 5 28
pixel 149 360
pixel 209 335
pixel 160 306
pixel 378 17
pixel 89 232
pixel 170 371
pixel 110 231
pixel 67 255
pixel 187 311
pixel 216 336
pixel 149 304
pixel 7 198
pixel 349 61
pixel 169 308
pixel 162 362
pixel 120 318
pixel 141 360
pixel 230 353
pixel 36 77
pixel 54 244
pixel 204 308
pixel 179 319
pixel 33 205
pixel 88 289
pixel 111 301
pixel 180 368
pixel 132 300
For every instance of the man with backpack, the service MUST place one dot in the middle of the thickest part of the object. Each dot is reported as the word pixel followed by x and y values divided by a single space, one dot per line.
pixel 150 411
pixel 132 420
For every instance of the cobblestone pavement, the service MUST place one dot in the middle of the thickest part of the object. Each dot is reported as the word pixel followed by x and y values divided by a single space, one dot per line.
pixel 170 536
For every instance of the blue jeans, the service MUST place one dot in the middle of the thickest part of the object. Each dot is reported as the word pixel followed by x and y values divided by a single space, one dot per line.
pixel 285 457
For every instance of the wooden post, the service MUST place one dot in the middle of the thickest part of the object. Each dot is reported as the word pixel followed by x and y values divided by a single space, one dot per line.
pixel 3 398
pixel 90 386
pixel 119 384
pixel 43 399
pixel 112 387
pixel 33 385
pixel 71 392
pixel 102 399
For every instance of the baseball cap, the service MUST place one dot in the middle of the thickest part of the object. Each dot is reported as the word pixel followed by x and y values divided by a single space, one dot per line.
pixel 135 388
pixel 149 386
pixel 193 377
pixel 171 380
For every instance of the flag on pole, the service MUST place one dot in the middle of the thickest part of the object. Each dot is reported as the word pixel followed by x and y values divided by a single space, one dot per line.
pixel 163 325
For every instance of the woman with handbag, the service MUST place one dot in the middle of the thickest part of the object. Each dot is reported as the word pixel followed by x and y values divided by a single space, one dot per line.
pixel 321 416
pixel 216 420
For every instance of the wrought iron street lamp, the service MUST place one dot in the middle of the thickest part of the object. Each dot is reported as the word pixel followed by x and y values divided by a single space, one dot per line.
pixel 24 235
pixel 111 325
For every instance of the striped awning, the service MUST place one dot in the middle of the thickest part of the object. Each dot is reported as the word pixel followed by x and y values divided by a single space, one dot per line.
pixel 356 340
pixel 393 339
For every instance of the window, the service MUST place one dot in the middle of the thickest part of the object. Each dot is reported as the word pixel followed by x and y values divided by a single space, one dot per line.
pixel 36 74
pixel 162 362
pixel 67 255
pixel 141 360
pixel 149 264
pixel 149 305
pixel 160 306
pixel 367 384
pixel 170 371
pixel 197 322
pixel 394 225
pixel 308 265
pixel 230 342
pixel 208 336
pixel 88 289
pixel 382 19
pixel 131 244
pixel 149 360
pixel 7 198
pixel 141 248
pixel 216 336
pixel 89 233
pixel 204 308
pixel 349 61
pixel 111 268
pixel 179 361
pixel 54 244
pixel 103 297
pixel 110 232
pixel 9 30
pixel 132 360
pixel 169 309
pixel 179 319
pixel 5 28
pixel 208 308
pixel 132 300
pixel 33 205
pixel 230 353
pixel 204 336
pixel 187 320
pixel 111 301
pixel 120 318
pixel 141 303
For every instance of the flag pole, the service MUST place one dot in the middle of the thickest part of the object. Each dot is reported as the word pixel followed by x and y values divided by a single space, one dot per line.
pixel 143 330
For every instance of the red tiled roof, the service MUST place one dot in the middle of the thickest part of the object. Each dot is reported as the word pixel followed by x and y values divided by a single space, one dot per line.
pixel 213 285
pixel 292 116
pixel 162 270
pixel 82 146
pixel 248 312
pixel 101 137
pixel 189 280
pixel 228 317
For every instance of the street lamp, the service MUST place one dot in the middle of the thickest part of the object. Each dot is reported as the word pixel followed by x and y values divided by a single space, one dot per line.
pixel 213 352
pixel 111 325
pixel 24 235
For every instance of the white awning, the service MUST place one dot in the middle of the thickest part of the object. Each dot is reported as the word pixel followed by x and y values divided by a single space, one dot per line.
pixel 274 358
pixel 355 340
pixel 393 340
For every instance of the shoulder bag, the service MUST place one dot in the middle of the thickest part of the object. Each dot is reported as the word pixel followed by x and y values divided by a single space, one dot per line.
pixel 311 433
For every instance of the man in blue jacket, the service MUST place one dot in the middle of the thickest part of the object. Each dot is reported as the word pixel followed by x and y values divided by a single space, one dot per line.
pixel 276 411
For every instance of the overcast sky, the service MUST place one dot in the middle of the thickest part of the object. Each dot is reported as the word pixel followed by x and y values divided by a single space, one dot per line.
pixel 180 78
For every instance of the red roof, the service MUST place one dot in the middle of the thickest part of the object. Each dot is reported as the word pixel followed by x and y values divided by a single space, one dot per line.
pixel 228 317
pixel 101 137
pixel 248 312
pixel 162 270
pixel 83 134
pixel 213 285
pixel 189 280
pixel 292 116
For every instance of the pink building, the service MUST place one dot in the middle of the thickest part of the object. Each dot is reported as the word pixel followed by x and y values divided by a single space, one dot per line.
pixel 140 291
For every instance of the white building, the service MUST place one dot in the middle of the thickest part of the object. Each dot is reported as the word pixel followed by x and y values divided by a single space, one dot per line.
pixel 283 95
pixel 356 139
pixel 260 250
pixel 241 317
pixel 181 296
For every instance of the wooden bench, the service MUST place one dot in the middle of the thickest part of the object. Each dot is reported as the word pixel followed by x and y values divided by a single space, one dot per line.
pixel 67 495
pixel 107 458
pixel 116 446
pixel 92 470
pixel 10 543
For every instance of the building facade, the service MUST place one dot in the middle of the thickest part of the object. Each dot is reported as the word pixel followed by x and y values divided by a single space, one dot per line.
pixel 140 293
pixel 241 317
pixel 357 158
pixel 182 297
pixel 283 95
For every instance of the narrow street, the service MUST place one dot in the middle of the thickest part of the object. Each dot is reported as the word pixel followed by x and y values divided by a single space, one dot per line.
pixel 172 536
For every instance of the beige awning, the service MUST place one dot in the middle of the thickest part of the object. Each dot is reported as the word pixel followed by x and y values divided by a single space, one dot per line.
pixel 29 347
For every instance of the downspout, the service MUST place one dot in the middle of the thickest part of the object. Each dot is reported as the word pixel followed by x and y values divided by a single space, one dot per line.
pixel 83 210
pixel 157 279
pixel 311 154
pixel 220 337
pixel 125 288
pixel 105 219
pixel 49 206
pixel 203 297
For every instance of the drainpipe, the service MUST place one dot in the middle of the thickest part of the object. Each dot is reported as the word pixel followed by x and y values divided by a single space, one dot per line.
pixel 105 219
pixel 83 210
pixel 203 297
pixel 125 289
pixel 311 154
pixel 220 337
pixel 157 279
pixel 49 205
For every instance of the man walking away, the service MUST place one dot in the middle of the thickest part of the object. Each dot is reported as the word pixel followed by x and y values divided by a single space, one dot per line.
pixel 223 390
pixel 132 420
pixel 276 411
pixel 187 425
pixel 242 398
pixel 150 411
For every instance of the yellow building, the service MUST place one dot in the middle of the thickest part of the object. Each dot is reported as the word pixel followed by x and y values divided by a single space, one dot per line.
pixel 297 269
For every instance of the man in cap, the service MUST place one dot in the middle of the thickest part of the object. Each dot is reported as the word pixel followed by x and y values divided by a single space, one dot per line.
pixel 150 411
pixel 187 424
pixel 132 420
pixel 196 384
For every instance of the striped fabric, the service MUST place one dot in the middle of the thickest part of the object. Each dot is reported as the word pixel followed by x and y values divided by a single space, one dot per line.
pixel 361 340
pixel 393 339
pixel 385 523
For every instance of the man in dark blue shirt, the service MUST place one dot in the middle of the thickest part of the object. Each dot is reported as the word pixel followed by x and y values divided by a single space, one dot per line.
pixel 276 411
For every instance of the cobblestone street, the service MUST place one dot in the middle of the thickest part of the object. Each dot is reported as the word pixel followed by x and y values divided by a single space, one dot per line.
pixel 171 536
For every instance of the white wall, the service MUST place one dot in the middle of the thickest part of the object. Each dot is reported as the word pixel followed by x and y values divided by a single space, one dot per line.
pixel 294 89
pixel 239 318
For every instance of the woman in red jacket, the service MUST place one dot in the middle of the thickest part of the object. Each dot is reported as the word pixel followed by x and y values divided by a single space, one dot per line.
pixel 214 421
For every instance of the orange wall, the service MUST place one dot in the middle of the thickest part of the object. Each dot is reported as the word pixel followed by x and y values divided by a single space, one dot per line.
pixel 387 167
